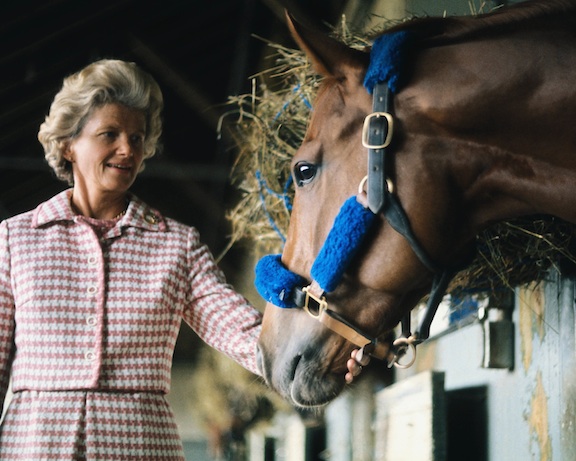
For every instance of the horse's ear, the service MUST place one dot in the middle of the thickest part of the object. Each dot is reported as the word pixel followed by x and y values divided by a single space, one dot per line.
pixel 329 57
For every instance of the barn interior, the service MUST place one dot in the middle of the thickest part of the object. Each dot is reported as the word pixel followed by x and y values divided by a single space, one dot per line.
pixel 200 52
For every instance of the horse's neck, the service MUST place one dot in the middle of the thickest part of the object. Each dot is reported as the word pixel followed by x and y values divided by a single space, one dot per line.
pixel 507 106
pixel 505 185
pixel 436 31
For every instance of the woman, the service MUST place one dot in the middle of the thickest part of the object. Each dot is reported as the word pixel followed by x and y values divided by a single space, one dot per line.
pixel 94 284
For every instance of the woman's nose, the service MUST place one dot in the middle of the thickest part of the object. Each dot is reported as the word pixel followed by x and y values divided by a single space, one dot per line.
pixel 124 147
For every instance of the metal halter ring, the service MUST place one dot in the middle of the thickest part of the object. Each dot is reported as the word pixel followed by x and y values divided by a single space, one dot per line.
pixel 401 345
pixel 389 185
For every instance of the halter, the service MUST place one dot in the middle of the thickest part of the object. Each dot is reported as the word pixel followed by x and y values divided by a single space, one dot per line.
pixel 285 289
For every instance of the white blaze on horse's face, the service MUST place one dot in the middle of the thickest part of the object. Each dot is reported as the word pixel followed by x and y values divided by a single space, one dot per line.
pixel 483 133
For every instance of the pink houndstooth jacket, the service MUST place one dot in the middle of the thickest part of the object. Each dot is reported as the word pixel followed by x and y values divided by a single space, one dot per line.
pixel 90 313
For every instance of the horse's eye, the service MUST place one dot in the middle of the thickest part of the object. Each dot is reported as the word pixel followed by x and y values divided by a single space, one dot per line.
pixel 304 173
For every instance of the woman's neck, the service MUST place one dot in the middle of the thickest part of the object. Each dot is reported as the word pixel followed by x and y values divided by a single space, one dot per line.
pixel 105 208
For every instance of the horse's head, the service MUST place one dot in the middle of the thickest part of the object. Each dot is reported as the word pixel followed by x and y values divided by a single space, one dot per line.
pixel 300 357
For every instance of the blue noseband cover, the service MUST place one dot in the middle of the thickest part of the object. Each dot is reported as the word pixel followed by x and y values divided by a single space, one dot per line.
pixel 347 233
pixel 276 284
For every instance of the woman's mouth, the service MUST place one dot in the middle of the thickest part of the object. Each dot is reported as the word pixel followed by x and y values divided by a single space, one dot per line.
pixel 120 167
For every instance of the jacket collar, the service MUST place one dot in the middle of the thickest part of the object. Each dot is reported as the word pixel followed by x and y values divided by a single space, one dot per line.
pixel 138 213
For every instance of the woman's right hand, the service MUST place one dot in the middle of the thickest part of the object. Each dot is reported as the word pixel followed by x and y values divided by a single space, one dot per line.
pixel 358 359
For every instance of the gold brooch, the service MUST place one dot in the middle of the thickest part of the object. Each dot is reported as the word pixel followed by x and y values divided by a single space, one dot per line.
pixel 151 218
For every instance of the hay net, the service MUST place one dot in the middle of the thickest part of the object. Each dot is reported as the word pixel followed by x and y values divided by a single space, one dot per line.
pixel 269 124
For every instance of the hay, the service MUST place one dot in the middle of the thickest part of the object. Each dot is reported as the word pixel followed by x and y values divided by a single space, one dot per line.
pixel 269 126
pixel 223 393
pixel 518 252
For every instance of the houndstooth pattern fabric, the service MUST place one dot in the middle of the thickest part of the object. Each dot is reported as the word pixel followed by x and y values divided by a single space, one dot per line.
pixel 86 425
pixel 89 316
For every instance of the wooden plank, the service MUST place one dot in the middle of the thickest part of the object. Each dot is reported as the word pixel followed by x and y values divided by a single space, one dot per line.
pixel 411 420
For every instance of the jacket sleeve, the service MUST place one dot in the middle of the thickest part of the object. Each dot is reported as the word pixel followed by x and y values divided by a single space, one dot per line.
pixel 7 311
pixel 223 318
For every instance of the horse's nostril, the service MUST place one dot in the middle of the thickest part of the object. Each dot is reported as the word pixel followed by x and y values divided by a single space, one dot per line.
pixel 295 361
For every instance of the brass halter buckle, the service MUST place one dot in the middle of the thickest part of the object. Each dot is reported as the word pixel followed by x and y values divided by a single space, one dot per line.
pixel 318 304
pixel 366 130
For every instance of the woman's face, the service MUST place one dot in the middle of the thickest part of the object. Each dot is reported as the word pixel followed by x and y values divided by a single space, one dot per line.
pixel 107 155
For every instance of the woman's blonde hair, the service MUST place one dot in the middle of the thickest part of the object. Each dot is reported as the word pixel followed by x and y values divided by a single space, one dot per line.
pixel 102 82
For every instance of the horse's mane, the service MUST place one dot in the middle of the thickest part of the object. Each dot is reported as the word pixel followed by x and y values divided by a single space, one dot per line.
pixel 437 31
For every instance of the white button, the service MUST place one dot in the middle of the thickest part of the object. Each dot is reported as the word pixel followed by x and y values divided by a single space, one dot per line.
pixel 91 320
pixel 92 260
pixel 92 289
pixel 90 356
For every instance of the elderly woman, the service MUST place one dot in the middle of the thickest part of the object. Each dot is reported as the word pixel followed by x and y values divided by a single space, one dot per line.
pixel 94 284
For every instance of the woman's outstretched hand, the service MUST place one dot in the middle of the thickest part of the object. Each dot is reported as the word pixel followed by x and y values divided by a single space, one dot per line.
pixel 355 363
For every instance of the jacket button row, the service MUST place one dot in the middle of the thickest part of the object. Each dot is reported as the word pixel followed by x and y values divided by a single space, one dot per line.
pixel 90 356
pixel 92 289
pixel 92 260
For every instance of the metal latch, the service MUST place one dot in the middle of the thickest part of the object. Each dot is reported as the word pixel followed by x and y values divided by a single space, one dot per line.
pixel 498 332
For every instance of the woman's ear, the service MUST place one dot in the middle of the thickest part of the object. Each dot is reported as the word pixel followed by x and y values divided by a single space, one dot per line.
pixel 68 152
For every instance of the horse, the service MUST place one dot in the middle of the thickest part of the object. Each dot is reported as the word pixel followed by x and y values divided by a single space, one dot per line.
pixel 476 127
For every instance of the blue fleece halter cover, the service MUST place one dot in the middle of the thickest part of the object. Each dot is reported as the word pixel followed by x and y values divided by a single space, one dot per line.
pixel 275 283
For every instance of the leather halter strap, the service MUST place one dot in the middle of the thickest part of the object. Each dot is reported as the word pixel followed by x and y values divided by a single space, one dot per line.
pixel 377 138
pixel 312 300
pixel 379 128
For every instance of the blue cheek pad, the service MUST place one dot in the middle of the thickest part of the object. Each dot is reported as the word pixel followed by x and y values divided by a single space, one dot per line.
pixel 276 283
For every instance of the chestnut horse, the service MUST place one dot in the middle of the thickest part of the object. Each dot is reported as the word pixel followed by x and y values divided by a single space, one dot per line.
pixel 483 129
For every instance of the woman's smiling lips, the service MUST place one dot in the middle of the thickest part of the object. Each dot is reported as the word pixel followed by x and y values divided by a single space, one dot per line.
pixel 120 167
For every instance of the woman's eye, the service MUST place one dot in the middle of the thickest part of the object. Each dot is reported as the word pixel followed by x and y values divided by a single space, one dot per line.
pixel 304 173
pixel 137 140
pixel 109 134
